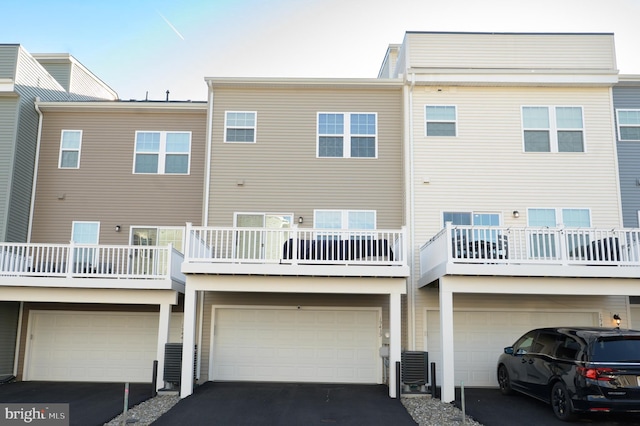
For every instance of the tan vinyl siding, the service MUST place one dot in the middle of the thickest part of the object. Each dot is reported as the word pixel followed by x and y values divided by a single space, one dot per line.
pixel 282 300
pixel 511 51
pixel 104 188
pixel 280 172
pixel 485 167
pixel 606 306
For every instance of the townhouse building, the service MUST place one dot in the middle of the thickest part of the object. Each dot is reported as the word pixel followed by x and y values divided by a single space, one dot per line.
pixel 23 78
pixel 626 102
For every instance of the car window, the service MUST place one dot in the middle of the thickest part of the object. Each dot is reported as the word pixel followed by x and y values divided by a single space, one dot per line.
pixel 524 344
pixel 545 343
pixel 567 348
pixel 619 348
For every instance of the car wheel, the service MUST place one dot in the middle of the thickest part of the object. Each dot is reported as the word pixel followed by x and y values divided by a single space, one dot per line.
pixel 561 402
pixel 504 381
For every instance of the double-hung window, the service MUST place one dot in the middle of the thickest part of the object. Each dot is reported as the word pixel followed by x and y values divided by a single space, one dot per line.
pixel 162 152
pixel 240 126
pixel 347 135
pixel 553 129
pixel 628 124
pixel 440 120
pixel 70 143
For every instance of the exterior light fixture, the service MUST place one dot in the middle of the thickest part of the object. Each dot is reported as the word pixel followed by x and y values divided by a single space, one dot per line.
pixel 117 228
pixel 300 219
pixel 516 214
pixel 617 319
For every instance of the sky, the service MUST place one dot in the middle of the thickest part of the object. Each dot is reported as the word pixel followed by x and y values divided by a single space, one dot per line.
pixel 142 48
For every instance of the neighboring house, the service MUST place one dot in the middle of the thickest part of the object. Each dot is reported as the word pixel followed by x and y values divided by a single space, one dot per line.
pixel 299 270
pixel 99 286
pixel 513 191
pixel 626 102
pixel 23 78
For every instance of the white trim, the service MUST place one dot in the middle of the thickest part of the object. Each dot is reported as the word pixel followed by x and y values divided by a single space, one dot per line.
pixel 16 356
pixel 254 127
pixel 162 152
pixel 62 149
pixel 346 134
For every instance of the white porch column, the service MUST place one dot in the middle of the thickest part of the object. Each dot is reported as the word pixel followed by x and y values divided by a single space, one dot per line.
pixel 395 340
pixel 446 339
pixel 188 341
pixel 163 338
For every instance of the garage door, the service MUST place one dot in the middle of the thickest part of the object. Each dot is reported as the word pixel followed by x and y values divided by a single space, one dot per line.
pixel 480 337
pixel 635 317
pixel 292 345
pixel 94 346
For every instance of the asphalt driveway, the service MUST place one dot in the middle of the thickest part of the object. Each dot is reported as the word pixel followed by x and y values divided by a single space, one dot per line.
pixel 90 404
pixel 491 408
pixel 280 404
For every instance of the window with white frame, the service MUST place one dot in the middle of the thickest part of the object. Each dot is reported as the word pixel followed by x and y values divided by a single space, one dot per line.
pixel 84 233
pixel 240 126
pixel 440 120
pixel 628 124
pixel 544 244
pixel 162 152
pixel 347 135
pixel 553 129
pixel 344 219
pixel 70 143
pixel 471 218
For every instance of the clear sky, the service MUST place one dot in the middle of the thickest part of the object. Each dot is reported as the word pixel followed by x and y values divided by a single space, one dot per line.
pixel 140 46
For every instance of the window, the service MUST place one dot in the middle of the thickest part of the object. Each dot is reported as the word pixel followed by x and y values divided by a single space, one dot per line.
pixel 344 219
pixel 162 152
pixel 469 218
pixel 84 233
pixel 543 243
pixel 553 129
pixel 347 135
pixel 157 236
pixel 70 143
pixel 440 120
pixel 628 124
pixel 240 127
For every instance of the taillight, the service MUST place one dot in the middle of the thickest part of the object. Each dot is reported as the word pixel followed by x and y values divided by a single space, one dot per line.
pixel 604 374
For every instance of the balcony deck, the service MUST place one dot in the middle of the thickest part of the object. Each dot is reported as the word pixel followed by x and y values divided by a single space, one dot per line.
pixel 531 252
pixel 295 251
pixel 90 266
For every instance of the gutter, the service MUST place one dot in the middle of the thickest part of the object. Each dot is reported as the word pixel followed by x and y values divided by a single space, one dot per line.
pixel 35 170
pixel 411 302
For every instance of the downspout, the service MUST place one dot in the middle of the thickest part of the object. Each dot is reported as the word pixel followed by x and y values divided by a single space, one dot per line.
pixel 411 300
pixel 35 170
pixel 207 177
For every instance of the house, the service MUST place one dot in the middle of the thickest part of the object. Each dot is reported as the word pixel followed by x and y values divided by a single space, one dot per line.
pixel 626 102
pixel 299 269
pixel 23 78
pixel 98 283
pixel 512 168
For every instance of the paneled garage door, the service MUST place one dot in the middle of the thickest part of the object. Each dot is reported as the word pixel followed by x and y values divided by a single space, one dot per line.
pixel 480 338
pixel 93 346
pixel 297 345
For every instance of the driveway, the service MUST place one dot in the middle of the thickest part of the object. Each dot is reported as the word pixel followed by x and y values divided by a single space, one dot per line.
pixel 90 404
pixel 274 404
pixel 491 408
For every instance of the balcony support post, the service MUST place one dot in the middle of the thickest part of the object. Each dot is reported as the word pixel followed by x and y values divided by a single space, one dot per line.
pixel 163 338
pixel 188 343
pixel 395 341
pixel 446 342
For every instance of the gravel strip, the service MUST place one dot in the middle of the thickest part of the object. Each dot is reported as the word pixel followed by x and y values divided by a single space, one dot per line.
pixel 425 410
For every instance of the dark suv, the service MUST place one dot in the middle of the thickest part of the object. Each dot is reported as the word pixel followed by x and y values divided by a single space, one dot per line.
pixel 576 369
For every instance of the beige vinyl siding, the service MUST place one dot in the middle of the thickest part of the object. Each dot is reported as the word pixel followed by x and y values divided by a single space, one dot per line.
pixel 282 300
pixel 511 51
pixel 104 188
pixel 280 172
pixel 605 305
pixel 485 167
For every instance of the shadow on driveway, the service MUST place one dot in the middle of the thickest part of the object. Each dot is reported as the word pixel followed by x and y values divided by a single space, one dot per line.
pixel 491 408
pixel 90 404
pixel 274 404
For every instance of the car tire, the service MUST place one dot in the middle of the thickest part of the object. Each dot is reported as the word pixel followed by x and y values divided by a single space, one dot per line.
pixel 504 381
pixel 561 402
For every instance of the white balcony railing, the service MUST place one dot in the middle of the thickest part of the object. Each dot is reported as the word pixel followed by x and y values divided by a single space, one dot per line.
pixel 531 245
pixel 295 246
pixel 90 261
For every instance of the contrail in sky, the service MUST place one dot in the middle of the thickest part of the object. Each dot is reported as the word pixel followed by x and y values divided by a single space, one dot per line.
pixel 171 25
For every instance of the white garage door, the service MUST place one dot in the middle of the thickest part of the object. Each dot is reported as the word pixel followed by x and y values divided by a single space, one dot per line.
pixel 291 345
pixel 480 337
pixel 635 317
pixel 94 346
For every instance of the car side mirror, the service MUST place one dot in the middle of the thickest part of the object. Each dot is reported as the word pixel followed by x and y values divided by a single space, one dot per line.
pixel 508 350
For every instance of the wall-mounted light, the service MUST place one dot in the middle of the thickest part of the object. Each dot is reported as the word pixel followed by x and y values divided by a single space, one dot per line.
pixel 516 214
pixel 300 219
pixel 117 228
pixel 617 319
